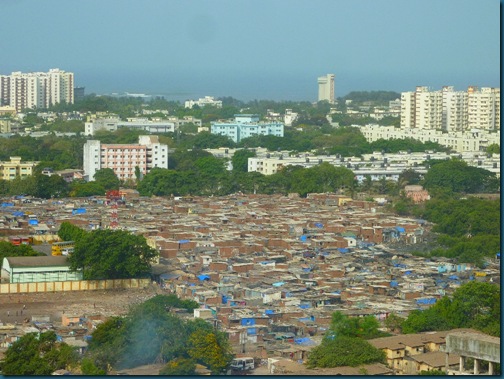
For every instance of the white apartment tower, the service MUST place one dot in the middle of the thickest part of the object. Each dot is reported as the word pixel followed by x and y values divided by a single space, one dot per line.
pixel 451 111
pixel 124 158
pixel 428 107
pixel 326 88
pixel 36 89
pixel 454 116
pixel 483 108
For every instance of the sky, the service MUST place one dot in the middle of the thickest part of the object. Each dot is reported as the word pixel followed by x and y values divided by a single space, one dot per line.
pixel 254 49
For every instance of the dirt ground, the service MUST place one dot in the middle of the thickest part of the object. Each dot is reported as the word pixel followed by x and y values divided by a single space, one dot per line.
pixel 74 303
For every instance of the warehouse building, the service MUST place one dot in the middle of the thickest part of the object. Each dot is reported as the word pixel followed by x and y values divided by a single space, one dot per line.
pixel 38 269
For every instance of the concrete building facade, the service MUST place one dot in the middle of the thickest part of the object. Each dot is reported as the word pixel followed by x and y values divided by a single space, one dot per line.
pixel 246 125
pixel 459 141
pixel 326 89
pixel 207 100
pixel 9 170
pixel 124 158
pixel 113 124
pixel 451 111
pixel 36 89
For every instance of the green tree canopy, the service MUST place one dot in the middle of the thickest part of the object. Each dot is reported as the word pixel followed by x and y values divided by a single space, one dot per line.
pixel 240 159
pixel 473 305
pixel 112 254
pixel 80 189
pixel 9 250
pixel 214 352
pixel 107 179
pixel 344 351
pixel 457 176
pixel 360 327
pixel 69 232
pixel 38 354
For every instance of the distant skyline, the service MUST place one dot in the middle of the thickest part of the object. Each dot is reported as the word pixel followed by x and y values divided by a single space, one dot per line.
pixel 254 49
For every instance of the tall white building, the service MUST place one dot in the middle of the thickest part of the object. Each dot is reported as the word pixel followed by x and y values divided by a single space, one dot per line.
pixel 449 110
pixel 36 89
pixel 124 158
pixel 483 108
pixel 326 88
pixel 454 114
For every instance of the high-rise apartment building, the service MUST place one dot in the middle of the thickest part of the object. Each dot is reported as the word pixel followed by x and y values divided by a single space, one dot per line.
pixel 124 158
pixel 483 108
pixel 454 114
pixel 326 88
pixel 36 89
pixel 449 110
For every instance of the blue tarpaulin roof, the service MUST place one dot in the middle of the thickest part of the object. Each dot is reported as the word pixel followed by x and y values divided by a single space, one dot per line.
pixel 304 306
pixel 269 311
pixel 33 222
pixel 426 301
pixel 203 277
pixel 78 211
pixel 18 213
pixel 319 225
pixel 278 284
pixel 453 277
pixel 394 283
pixel 400 229
pixel 343 250
pixel 183 241
pixel 304 341
pixel 302 238
pixel 7 204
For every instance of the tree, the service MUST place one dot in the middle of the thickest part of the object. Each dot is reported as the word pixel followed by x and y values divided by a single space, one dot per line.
pixel 408 177
pixel 107 344
pixel 344 351
pixel 70 232
pixel 9 250
pixel 179 366
pixel 240 159
pixel 107 179
pixel 493 149
pixel 359 327
pixel 38 354
pixel 473 305
pixel 87 189
pixel 457 176
pixel 47 187
pixel 394 323
pixel 213 352
pixel 89 368
pixel 112 254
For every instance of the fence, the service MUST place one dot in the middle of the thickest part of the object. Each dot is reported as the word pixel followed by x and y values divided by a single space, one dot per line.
pixel 77 285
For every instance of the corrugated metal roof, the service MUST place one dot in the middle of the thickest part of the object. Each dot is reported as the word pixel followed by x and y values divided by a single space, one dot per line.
pixel 37 261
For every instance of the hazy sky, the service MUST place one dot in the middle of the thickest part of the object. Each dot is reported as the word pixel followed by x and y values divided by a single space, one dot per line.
pixel 263 49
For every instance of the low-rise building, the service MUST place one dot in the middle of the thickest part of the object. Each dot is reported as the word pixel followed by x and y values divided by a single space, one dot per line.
pixel 201 102
pixel 9 170
pixel 246 125
pixel 38 269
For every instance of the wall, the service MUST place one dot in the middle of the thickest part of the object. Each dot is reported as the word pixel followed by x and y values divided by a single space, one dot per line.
pixel 78 285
